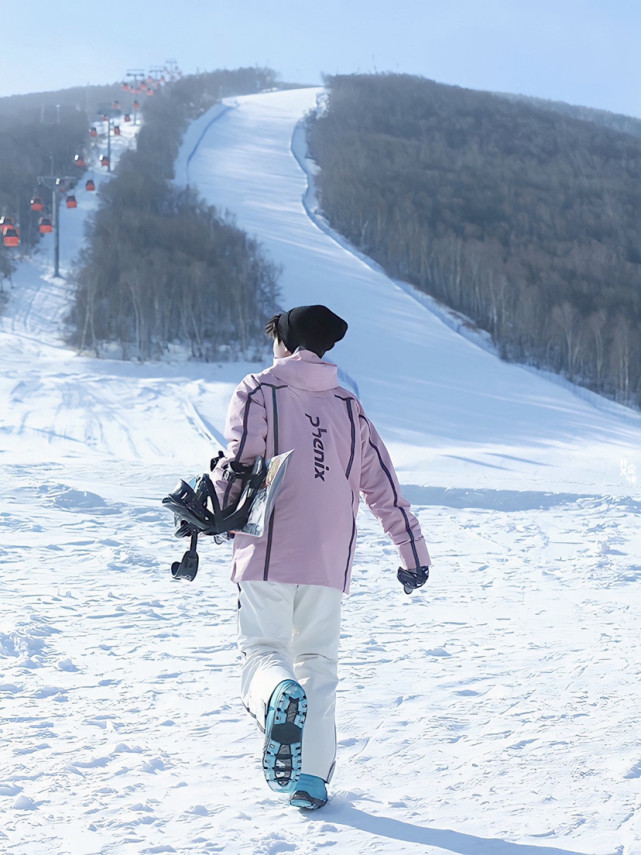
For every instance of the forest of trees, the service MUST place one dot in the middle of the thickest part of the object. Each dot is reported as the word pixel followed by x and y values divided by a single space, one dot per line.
pixel 604 118
pixel 32 142
pixel 162 267
pixel 523 218
pixel 40 133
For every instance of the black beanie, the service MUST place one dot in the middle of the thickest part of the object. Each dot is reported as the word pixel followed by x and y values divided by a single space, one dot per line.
pixel 315 328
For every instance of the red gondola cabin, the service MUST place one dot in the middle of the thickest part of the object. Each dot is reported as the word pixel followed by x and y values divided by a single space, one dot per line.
pixel 79 160
pixel 6 223
pixel 11 237
pixel 90 184
pixel 45 226
pixel 71 202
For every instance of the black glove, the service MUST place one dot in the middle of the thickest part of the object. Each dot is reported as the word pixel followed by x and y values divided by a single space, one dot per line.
pixel 412 579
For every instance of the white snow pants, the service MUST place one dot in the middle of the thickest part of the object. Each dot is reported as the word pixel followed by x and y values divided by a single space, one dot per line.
pixel 291 632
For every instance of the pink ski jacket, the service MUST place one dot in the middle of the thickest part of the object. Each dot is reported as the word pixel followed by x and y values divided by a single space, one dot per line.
pixel 338 455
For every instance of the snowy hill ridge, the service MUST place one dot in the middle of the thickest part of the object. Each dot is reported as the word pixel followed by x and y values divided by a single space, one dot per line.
pixel 495 712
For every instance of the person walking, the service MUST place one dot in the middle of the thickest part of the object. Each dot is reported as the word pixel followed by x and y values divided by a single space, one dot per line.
pixel 291 580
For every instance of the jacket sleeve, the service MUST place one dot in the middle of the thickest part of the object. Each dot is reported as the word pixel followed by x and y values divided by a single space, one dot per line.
pixel 246 435
pixel 381 490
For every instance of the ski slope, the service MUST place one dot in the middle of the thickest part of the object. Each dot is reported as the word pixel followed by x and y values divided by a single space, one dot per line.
pixel 495 712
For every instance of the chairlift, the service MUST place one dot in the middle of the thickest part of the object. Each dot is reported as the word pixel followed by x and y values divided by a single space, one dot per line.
pixel 71 202
pixel 37 203
pixel 45 226
pixel 90 184
pixel 11 238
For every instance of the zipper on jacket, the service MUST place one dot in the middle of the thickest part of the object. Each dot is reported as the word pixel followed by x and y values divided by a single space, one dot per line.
pixel 270 530
pixel 351 544
pixel 348 404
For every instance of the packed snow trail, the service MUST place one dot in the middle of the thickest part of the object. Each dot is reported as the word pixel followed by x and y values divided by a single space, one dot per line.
pixel 494 712
pixel 414 377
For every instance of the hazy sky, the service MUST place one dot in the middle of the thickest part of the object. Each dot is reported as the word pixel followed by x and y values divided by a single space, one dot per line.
pixel 582 51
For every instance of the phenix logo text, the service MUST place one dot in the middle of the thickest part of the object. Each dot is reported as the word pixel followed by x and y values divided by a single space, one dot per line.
pixel 319 448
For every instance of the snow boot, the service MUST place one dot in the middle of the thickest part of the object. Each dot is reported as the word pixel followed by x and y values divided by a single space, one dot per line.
pixel 310 793
pixel 284 724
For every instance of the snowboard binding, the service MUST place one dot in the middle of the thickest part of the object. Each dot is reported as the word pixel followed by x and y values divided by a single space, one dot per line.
pixel 188 566
pixel 197 510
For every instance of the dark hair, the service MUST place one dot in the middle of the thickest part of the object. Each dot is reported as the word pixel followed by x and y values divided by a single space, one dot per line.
pixel 271 328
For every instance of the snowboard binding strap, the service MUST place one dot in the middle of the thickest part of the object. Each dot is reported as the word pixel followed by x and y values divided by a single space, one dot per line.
pixel 197 510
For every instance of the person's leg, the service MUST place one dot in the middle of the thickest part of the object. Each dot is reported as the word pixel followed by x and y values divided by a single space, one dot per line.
pixel 269 687
pixel 317 616
pixel 265 617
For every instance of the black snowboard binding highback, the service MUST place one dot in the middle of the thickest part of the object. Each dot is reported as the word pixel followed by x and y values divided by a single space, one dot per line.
pixel 197 510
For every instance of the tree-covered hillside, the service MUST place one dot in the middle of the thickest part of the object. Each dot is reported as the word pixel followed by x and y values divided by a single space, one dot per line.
pixel 525 219
pixel 32 143
pixel 162 268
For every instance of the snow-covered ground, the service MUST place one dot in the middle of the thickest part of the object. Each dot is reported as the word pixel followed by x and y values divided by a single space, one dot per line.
pixel 495 712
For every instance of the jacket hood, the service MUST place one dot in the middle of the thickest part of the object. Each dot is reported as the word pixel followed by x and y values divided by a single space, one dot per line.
pixel 306 370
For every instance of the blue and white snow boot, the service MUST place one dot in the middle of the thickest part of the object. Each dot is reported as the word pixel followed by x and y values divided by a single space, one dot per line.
pixel 310 793
pixel 284 724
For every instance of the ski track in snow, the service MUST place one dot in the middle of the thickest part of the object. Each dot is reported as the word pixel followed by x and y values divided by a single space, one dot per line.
pixel 494 713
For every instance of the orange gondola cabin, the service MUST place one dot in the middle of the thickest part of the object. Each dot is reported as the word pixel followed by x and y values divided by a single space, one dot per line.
pixel 93 132
pixel 11 238
pixel 90 185
pixel 104 160
pixel 79 160
pixel 45 226
pixel 71 202
pixel 6 223
pixel 37 204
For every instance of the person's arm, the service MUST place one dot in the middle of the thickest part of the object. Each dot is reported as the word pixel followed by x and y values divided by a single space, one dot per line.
pixel 246 435
pixel 381 490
